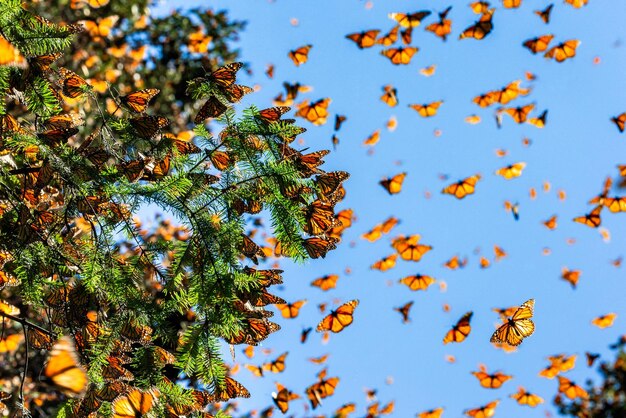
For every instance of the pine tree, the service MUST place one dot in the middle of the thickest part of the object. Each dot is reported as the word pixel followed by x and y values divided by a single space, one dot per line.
pixel 99 310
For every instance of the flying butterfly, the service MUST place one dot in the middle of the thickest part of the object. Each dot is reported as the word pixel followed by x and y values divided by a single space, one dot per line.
pixel 338 318
pixel 538 44
pixel 101 27
pixel 432 413
pixel 577 3
pixel 404 311
pixel 523 397
pixel 230 390
pixel 490 381
pixel 364 39
pixel 462 188
pixel 604 321
pixel 316 112
pixel 571 389
pixel 484 411
pixel 290 310
pixel 300 55
pixel 385 263
pixel 139 100
pixel 427 110
pixel 400 55
pixel 511 4
pixel 273 114
pixel 481 28
pixel 393 185
pixel 390 97
pixel 539 121
pixel 443 27
pixel 517 327
pixel 318 247
pixel 409 249
pixel 511 171
pixel 460 330
pixel 417 282
pixel 326 282
pixel 276 366
pixel 591 219
pixel 619 121
pixel 409 20
pixel 390 38
pixel 519 113
pixel 282 398
pixel 545 13
pixel 64 369
pixel 563 51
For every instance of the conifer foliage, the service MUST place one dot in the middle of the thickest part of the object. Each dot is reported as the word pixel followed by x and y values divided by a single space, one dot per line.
pixel 101 315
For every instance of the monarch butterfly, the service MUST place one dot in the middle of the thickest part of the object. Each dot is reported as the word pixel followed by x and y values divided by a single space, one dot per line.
pixel 365 39
pixel 604 321
pixel 433 413
pixel 273 114
pixel 570 276
pixel 290 310
pixel 229 390
pixel 511 171
pixel 39 339
pixel 10 343
pixel 404 311
pixel 386 263
pixel 374 409
pixel 570 389
pixel 518 327
pixel 481 28
pixel 577 3
pixel 455 263
pixel 539 121
pixel 563 51
pixel 487 99
pixel 538 44
pixel 344 410
pixel 393 185
pixel 462 188
pixel 442 28
pixel 407 36
pixel 591 219
pixel 615 204
pixel 490 381
pixel 138 101
pixel 101 27
pixel 460 330
pixel 56 136
pixel 212 108
pixel 484 411
pixel 253 331
pixel 318 247
pixel 276 366
pixel 339 318
pixel 305 334
pixel 519 114
pixel 409 249
pixel 64 370
pixel 328 184
pixel 591 358
pixel 72 84
pixel 300 55
pixel 417 282
pixel 41 64
pixel 136 333
pixel 409 20
pixel 400 55
pixel 225 76
pixel 523 397
pixel 473 119
pixel 64 121
pixel 320 390
pixel 319 218
pixel 619 121
pixel 316 112
pixel 134 403
pixel 390 97
pixel 545 13
pixel 427 110
pixel 148 127
pixel 511 4
pixel 390 38
pixel 282 397
pixel 326 282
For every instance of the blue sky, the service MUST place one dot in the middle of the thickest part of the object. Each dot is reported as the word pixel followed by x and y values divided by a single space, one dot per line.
pixel 576 150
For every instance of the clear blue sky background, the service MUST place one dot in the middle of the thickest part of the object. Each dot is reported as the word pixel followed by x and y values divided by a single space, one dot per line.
pixel 577 149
